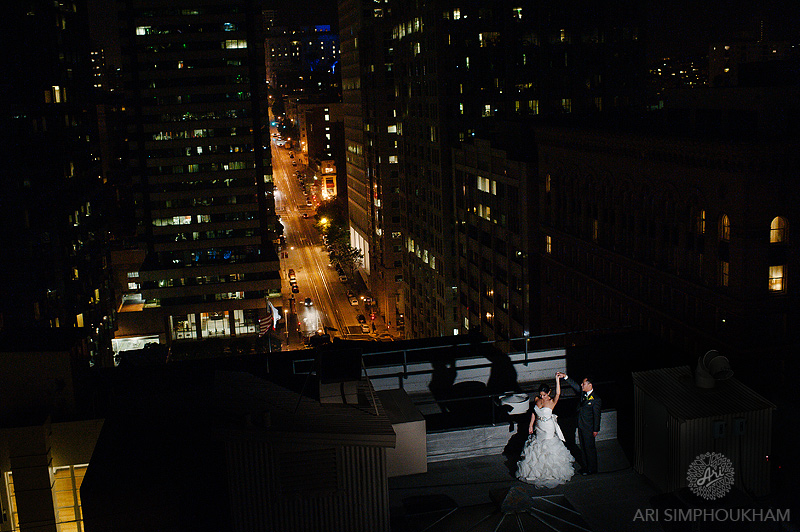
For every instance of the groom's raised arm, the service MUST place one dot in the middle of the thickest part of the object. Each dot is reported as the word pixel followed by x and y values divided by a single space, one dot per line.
pixel 574 385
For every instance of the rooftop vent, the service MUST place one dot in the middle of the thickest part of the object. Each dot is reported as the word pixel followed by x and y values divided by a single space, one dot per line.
pixel 712 367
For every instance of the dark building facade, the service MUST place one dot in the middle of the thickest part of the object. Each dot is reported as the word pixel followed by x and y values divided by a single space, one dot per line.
pixel 55 268
pixel 686 239
pixel 201 166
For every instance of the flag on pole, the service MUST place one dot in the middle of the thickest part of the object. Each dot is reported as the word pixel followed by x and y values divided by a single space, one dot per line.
pixel 264 325
pixel 269 321
pixel 276 316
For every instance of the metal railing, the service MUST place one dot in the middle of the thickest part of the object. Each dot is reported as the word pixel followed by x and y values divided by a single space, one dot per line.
pixel 415 363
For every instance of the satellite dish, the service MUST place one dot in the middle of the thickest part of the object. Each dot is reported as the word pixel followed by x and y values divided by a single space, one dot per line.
pixel 712 367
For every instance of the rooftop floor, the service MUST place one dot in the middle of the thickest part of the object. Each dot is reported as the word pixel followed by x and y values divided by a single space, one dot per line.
pixel 607 501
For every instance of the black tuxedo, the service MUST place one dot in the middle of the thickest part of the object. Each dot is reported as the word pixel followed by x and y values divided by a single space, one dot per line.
pixel 588 423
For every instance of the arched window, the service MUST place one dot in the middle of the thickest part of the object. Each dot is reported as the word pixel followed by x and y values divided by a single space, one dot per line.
pixel 777 230
pixel 724 228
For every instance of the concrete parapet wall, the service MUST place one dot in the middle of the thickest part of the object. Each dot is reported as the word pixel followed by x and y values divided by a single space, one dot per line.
pixel 492 439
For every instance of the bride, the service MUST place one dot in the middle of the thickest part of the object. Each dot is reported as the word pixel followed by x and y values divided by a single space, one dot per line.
pixel 546 461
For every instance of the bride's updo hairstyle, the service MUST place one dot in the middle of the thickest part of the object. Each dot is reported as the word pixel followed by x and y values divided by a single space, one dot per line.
pixel 544 388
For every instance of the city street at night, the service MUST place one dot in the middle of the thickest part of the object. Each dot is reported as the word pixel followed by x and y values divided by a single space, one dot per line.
pixel 304 252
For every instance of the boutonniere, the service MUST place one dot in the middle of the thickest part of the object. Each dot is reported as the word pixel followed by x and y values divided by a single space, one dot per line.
pixel 590 398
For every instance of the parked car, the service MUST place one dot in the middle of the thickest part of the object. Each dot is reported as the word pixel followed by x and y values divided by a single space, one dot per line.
pixel 361 318
pixel 342 277
pixel 365 328
pixel 292 276
pixel 295 290
pixel 351 296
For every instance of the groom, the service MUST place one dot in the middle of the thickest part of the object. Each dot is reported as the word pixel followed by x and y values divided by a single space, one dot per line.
pixel 588 420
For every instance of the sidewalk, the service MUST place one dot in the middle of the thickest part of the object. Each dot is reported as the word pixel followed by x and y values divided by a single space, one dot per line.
pixel 607 501
pixel 380 324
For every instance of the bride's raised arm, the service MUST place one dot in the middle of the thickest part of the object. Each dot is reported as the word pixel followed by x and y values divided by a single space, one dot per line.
pixel 558 390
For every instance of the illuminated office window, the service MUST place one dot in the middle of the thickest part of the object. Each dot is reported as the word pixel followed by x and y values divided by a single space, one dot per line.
pixel 777 278
pixel 12 498
pixel 66 487
pixel 235 43
pixel 701 222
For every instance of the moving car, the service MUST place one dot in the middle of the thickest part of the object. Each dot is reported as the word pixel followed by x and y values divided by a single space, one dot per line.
pixel 365 328
pixel 292 276
pixel 309 302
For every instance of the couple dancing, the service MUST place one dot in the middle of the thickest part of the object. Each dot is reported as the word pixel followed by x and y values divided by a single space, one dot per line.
pixel 546 461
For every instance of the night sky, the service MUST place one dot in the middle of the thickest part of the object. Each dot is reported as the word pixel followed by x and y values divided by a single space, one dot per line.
pixel 680 27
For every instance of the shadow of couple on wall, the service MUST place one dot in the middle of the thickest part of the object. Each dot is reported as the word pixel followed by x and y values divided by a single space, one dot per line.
pixel 465 402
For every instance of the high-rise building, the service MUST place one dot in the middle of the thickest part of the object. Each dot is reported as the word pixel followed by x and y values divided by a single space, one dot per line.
pixel 495 237
pixel 371 143
pixel 54 266
pixel 302 60
pixel 467 70
pixel 322 147
pixel 195 82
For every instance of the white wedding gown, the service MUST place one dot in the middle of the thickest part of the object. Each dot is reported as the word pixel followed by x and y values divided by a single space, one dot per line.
pixel 546 461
